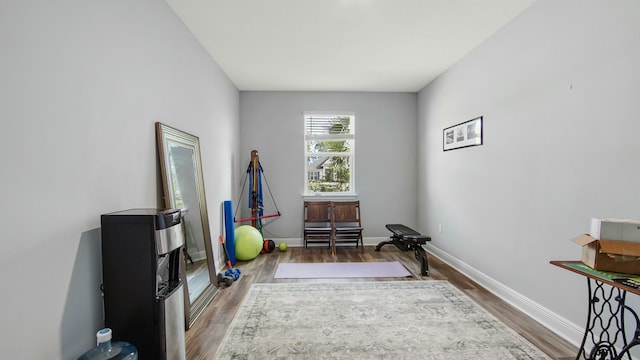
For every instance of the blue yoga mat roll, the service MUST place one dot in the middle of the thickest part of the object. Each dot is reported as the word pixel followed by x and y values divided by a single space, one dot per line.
pixel 229 242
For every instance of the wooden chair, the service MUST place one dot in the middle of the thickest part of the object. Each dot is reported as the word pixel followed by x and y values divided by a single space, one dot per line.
pixel 346 224
pixel 317 222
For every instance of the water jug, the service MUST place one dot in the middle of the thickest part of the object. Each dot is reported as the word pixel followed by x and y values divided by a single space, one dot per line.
pixel 107 350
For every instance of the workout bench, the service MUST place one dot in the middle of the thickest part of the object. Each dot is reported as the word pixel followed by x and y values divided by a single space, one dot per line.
pixel 407 239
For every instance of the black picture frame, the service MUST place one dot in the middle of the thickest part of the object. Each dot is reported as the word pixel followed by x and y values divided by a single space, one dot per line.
pixel 463 135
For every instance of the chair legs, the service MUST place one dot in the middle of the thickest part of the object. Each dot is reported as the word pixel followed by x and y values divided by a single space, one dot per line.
pixel 359 240
pixel 316 238
pixel 333 246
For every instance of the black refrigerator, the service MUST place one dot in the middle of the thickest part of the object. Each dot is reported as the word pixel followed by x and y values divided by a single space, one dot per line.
pixel 142 289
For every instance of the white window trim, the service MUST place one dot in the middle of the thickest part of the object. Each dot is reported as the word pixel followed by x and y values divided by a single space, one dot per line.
pixel 330 195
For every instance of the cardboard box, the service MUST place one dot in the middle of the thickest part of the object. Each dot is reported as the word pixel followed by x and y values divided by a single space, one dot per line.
pixel 610 255
pixel 615 229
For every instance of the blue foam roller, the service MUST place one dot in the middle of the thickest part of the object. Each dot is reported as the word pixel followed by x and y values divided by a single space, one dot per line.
pixel 230 242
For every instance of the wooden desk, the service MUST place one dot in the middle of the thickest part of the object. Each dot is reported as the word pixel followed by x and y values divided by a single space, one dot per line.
pixel 604 332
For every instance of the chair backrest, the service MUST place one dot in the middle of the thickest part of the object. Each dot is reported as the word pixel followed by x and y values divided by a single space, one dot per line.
pixel 346 212
pixel 317 212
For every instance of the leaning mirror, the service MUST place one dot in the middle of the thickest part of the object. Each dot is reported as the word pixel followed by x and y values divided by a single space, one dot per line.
pixel 183 188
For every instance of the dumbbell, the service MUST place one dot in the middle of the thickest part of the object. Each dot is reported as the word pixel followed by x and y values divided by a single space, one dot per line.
pixel 235 273
pixel 224 280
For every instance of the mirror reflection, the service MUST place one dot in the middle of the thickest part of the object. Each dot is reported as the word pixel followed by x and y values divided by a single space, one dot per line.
pixel 185 197
pixel 184 189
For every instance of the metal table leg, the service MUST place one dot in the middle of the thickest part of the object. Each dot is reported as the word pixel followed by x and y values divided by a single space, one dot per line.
pixel 605 324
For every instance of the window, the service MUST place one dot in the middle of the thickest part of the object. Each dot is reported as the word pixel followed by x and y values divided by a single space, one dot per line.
pixel 328 152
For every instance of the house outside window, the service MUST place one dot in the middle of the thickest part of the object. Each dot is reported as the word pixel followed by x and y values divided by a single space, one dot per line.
pixel 329 140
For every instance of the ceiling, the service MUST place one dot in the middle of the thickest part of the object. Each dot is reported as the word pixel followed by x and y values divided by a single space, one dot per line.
pixel 341 45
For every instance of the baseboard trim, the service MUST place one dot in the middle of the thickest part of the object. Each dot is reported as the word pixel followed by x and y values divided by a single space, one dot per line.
pixel 564 328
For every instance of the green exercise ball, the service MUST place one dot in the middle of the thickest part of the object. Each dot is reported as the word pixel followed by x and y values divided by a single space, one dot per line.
pixel 248 242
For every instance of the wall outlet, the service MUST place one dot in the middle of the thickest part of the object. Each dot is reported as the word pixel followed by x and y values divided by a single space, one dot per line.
pixel 439 228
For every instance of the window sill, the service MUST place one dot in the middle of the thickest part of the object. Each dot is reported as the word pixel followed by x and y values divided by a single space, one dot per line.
pixel 329 196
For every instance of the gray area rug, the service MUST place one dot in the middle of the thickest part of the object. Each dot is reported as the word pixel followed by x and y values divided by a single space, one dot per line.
pixel 429 320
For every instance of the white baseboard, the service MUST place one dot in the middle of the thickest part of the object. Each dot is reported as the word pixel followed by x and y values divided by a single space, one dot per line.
pixel 559 325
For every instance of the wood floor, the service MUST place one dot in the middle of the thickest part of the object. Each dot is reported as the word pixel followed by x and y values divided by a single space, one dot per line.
pixel 204 337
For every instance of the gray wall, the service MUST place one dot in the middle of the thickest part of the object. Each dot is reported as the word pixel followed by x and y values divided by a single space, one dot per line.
pixel 81 86
pixel 559 89
pixel 385 169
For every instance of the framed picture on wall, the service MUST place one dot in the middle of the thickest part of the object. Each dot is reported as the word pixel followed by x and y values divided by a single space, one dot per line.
pixel 465 134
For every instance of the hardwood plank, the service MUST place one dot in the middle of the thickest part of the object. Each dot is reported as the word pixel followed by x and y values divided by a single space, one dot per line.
pixel 205 336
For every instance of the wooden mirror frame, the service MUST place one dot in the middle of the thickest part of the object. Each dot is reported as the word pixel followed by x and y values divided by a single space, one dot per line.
pixel 168 138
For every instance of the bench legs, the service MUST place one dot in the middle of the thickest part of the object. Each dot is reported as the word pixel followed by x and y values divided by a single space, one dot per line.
pixel 408 245
pixel 421 256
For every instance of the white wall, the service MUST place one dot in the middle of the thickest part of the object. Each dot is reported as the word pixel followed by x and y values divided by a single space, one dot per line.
pixel 385 168
pixel 559 89
pixel 81 85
